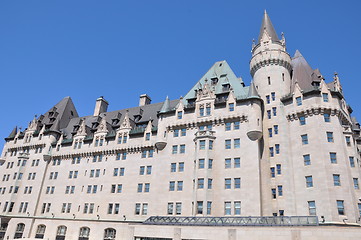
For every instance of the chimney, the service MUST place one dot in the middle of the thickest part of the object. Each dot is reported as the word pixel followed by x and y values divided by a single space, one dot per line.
pixel 101 105
pixel 144 99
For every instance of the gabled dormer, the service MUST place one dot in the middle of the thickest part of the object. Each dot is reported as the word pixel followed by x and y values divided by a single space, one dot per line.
pixel 148 131
pixel 124 129
pixel 180 109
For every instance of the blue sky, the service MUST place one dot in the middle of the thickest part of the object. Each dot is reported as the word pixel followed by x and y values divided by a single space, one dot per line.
pixel 121 49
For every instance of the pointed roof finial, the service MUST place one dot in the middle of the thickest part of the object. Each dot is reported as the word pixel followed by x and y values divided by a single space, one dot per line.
pixel 268 27
pixel 166 106
pixel 252 92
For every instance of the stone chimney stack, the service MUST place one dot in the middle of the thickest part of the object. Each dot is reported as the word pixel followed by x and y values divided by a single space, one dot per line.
pixel 144 99
pixel 101 105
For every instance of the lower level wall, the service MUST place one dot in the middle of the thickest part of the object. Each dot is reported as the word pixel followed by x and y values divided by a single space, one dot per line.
pixel 139 231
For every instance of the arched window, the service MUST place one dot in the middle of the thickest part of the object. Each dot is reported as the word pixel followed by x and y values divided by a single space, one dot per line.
pixel 19 230
pixel 84 233
pixel 40 231
pixel 60 233
pixel 109 234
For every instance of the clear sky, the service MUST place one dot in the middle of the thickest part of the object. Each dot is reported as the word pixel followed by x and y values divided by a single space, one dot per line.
pixel 121 49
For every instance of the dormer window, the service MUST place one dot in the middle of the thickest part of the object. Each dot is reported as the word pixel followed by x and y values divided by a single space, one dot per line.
pixel 179 115
pixel 214 81
pixel 226 87
pixel 231 107
pixel 299 101
pixel 147 136
pixel 325 97
pixel 201 110
pixel 208 110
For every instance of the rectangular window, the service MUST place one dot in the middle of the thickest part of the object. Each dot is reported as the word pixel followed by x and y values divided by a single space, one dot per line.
pixel 146 187
pixel 307 159
pixel 231 107
pixel 273 191
pixel 202 144
pixel 333 157
pixel 271 152
pixel 210 163
pixel 348 141
pixel 140 187
pixel 329 136
pixel 269 114
pixel 174 149
pixel 171 185
pixel 209 208
pixel 274 111
pixel 302 120
pixel 304 139
pixel 273 174
pixel 137 209
pixel 200 183
pixel 210 183
pixel 277 147
pixel 182 148
pixel 268 99
pixel 237 208
pixel 178 208
pixel 179 115
pixel 227 183
pixel 228 126
pixel 359 209
pixel 120 139
pixel 201 163
pixel 325 97
pixel 299 101
pixel 355 183
pixel 227 208
pixel 180 186
pixel 273 95
pixel 208 110
pixel 237 162
pixel 237 183
pixel 280 190
pixel 309 181
pixel 176 133
pixel 173 167
pixel 336 180
pixel 141 170
pixel 170 209
pixel 311 208
pixel 183 132
pixel 201 111
pixel 144 154
pixel 228 163
pixel 145 209
pixel 270 132
pixel 210 146
pixel 275 128
pixel 236 125
pixel 340 207
pixel 149 170
pixel 181 167
pixel 228 144
pixel 326 117
pixel 200 207
pixel 279 170
pixel 237 143
pixel 352 161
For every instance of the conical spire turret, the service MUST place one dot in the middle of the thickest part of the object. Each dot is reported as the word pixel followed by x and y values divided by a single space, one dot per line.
pixel 267 27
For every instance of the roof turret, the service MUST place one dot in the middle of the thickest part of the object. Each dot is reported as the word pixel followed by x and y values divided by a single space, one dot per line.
pixel 166 106
pixel 268 27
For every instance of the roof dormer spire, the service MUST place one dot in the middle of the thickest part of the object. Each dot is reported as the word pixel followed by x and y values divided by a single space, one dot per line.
pixel 268 28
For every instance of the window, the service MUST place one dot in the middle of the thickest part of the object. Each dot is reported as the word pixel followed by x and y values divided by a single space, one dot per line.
pixel 183 132
pixel 84 233
pixel 325 97
pixel 302 120
pixel 210 183
pixel 231 107
pixel 147 136
pixel 304 139
pixel 355 183
pixel 298 101
pixel 271 152
pixel 237 183
pixel 201 111
pixel 348 141
pixel 61 232
pixel 227 208
pixel 145 209
pixel 275 128
pixel 227 183
pixel 208 110
pixel 269 80
pixel 237 208
pixel 180 115
pixel 237 143
pixel 336 180
pixel 237 163
pixel 200 207
pixel 273 95
pixel 273 191
pixel 110 233
pixel 137 209
pixel 277 147
pixel 309 181
pixel 144 154
pixel 352 161
pixel 182 148
pixel 170 209
pixel 333 157
pixel 228 126
pixel 269 114
pixel 270 132
pixel 210 163
pixel 228 144
pixel 200 183
pixel 141 170
pixel 149 170
pixel 40 231
pixel 174 149
pixel 268 100
pixel 201 163
pixel 236 125
pixel 146 187
pixel 273 174
pixel 274 111
pixel 359 209
pixel 202 144
pixel 150 153
pixel 181 167
pixel 140 187
pixel 329 136
pixel 210 146
pixel 311 208
pixel 279 170
pixel 227 163
pixel 171 185
pixel 180 186
pixel 280 190
pixel 176 133
pixel 307 159
pixel 340 207
pixel 209 208
pixel 326 117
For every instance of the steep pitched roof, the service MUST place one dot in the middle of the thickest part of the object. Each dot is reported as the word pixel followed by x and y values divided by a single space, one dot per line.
pixel 303 74
pixel 165 106
pixel 224 75
pixel 267 26
pixel 13 133
pixel 252 91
